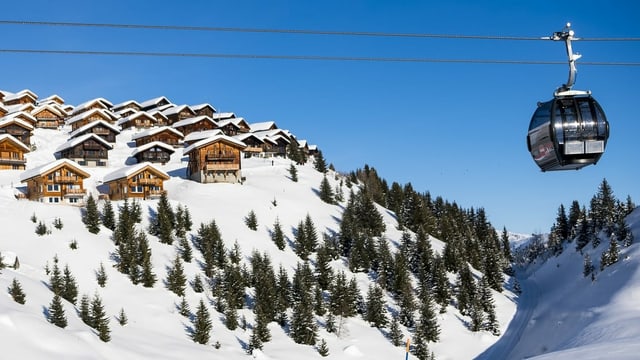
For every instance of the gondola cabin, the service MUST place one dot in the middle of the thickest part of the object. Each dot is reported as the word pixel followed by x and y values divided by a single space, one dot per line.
pixel 568 132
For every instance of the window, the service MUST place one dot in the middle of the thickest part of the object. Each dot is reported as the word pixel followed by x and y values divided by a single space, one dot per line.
pixel 136 189
pixel 54 200
pixel 53 187
pixel 73 200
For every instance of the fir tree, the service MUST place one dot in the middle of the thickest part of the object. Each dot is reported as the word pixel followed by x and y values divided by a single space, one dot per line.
pixel 420 349
pixel 15 290
pixel 376 313
pixel 277 235
pixel 254 342
pixel 326 192
pixel 330 323
pixel 57 223
pixel 588 266
pixel 69 287
pixel 466 290
pixel 303 325
pixel 251 220
pixel 91 217
pixel 320 164
pixel 293 173
pixel 324 272
pixel 323 349
pixel 318 300
pixel 99 319
pixel 301 249
pixel 185 250
pixel 56 281
pixel 198 285
pixel 231 318
pixel 183 308
pixel 427 327
pixel 56 312
pixel 176 280
pixel 148 277
pixel 122 318
pixel 85 309
pixel 108 216
pixel 395 334
pixel 163 223
pixel 488 306
pixel 41 228
pixel 201 324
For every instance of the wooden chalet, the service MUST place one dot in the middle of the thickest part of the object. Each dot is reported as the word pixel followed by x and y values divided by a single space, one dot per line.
pixel 12 153
pixel 52 99
pixel 93 104
pixel 3 110
pixel 138 120
pixel 88 150
pixel 242 124
pixel 276 142
pixel 216 159
pixel 229 127
pixel 121 114
pixel 177 113
pixel 142 181
pixel 165 134
pixel 200 135
pixel 155 152
pixel 61 181
pixel 17 128
pixel 254 144
pixel 101 128
pixel 48 116
pixel 263 126
pixel 24 115
pixel 313 150
pixel 89 116
pixel 130 104
pixel 303 146
pixel 154 103
pixel 161 119
pixel 203 110
pixel 198 123
pixel 22 97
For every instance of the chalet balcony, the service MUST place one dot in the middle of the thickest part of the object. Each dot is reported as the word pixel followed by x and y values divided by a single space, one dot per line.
pixel 75 192
pixel 155 193
pixel 220 156
pixel 100 131
pixel 89 146
pixel 217 167
pixel 147 181
pixel 65 179
pixel 12 161
pixel 253 149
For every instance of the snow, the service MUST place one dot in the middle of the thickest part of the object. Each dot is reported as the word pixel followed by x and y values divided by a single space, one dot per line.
pixel 561 315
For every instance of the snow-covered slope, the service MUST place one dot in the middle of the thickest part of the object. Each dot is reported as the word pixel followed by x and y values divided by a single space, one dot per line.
pixel 155 329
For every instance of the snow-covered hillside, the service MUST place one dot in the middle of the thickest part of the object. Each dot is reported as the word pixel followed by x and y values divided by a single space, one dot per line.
pixel 156 329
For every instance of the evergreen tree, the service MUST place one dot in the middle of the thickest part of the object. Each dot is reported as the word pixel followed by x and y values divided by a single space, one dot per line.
pixel 57 223
pixel 69 287
pixel 376 313
pixel 15 290
pixel 85 310
pixel 176 280
pixel 342 301
pixel 283 295
pixel 56 281
pixel 251 221
pixel 101 276
pixel 603 206
pixel 99 319
pixel 442 292
pixel 183 308
pixel 330 323
pixel 466 290
pixel 231 318
pixel 574 216
pixel 488 306
pixel 183 221
pixel 163 224
pixel 148 277
pixel 420 349
pixel 293 173
pixel 326 191
pixel 301 242
pixel 91 217
pixel 185 250
pixel 395 334
pixel 201 324
pixel 108 216
pixel 277 235
pixel 254 342
pixel 122 318
pixel 198 285
pixel 41 228
pixel 588 265
pixel 311 236
pixel 562 223
pixel 320 163
pixel 303 328
pixel 427 327
pixel 324 272
pixel 323 349
pixel 56 312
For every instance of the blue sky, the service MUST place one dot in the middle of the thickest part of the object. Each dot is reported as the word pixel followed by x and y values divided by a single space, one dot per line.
pixel 456 130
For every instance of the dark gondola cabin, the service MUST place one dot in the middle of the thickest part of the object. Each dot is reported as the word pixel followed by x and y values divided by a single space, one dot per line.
pixel 568 132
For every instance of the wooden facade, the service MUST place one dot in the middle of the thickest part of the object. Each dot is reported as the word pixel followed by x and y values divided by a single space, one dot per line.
pixel 87 150
pixel 138 120
pixel 228 127
pixel 101 128
pixel 154 103
pixel 18 129
pixel 177 113
pixel 141 181
pixel 131 104
pixel 61 181
pixel 87 117
pixel 48 117
pixel 217 159
pixel 21 97
pixel 154 152
pixel 12 153
pixel 161 119
pixel 94 104
pixel 163 134
pixel 198 123
pixel 204 110
pixel 254 144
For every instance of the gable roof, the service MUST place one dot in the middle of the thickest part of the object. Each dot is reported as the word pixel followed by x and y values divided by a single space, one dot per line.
pixel 106 114
pixel 92 124
pixel 11 138
pixel 152 144
pixel 124 104
pixel 19 108
pixel 20 94
pixel 47 168
pixel 51 98
pixel 193 120
pixel 132 170
pixel 223 123
pixel 7 120
pixel 153 131
pixel 106 104
pixel 199 135
pixel 202 106
pixel 80 139
pixel 177 109
pixel 54 109
pixel 214 139
pixel 134 116
pixel 263 126
pixel 151 103
pixel 244 136
pixel 20 115
pixel 224 115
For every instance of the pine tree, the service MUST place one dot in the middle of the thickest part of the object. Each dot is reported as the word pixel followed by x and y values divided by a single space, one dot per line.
pixel 254 342
pixel 326 192
pixel 148 277
pixel 57 223
pixel 108 216
pixel 376 313
pixel 185 249
pixel 301 243
pixel 198 285
pixel 488 306
pixel 201 324
pixel 293 173
pixel 318 300
pixel 176 280
pixel 588 266
pixel 562 224
pixel 69 287
pixel 231 318
pixel 330 323
pixel 320 163
pixel 41 228
pixel 277 235
pixel 85 310
pixel 427 327
pixel 251 220
pixel 15 290
pixel 56 281
pixel 303 325
pixel 122 318
pixel 91 217
pixel 56 312
pixel 163 223
pixel 183 308
pixel 99 319
pixel 420 349
pixel 395 334
pixel 323 349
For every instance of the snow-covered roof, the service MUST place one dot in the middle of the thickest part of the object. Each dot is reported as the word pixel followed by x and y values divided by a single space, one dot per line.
pixel 9 137
pixel 154 131
pixel 106 104
pixel 313 147
pixel 4 109
pixel 92 124
pixel 302 143
pixel 274 134
pixel 177 109
pixel 152 144
pixel 154 102
pixel 223 123
pixel 82 138
pixel 193 120
pixel 263 126
pixel 244 136
pixel 202 106
pixel 211 140
pixel 136 115
pixel 9 119
pixel 107 114
pixel 52 98
pixel 54 109
pixel 128 171
pixel 222 116
pixel 199 135
pixel 46 168
pixel 123 104
pixel 19 107
pixel 21 94
pixel 22 116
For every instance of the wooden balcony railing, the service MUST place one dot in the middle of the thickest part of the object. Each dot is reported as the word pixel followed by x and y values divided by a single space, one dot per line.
pixel 72 192
pixel 64 179
pixel 215 167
